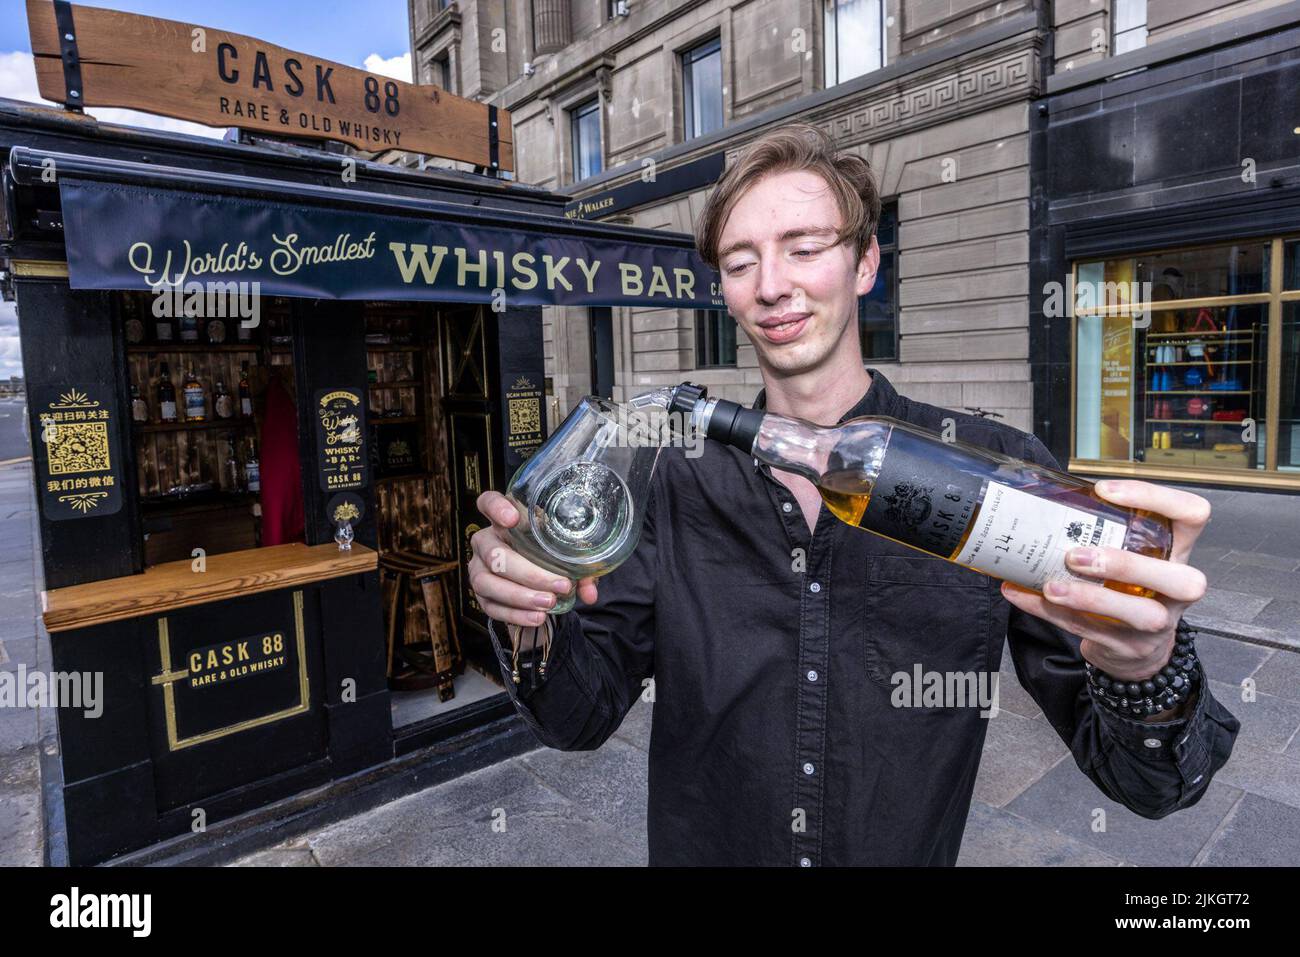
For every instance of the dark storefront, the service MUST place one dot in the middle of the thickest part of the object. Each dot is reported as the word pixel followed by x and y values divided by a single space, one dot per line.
pixel 394 373
pixel 1169 219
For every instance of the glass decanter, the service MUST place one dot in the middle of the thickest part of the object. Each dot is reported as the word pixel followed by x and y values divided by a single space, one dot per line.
pixel 581 497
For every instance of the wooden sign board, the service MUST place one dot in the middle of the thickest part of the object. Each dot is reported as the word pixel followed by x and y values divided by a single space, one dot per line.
pixel 226 79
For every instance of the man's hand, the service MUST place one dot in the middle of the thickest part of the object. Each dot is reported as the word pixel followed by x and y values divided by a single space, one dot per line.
pixel 1139 639
pixel 508 586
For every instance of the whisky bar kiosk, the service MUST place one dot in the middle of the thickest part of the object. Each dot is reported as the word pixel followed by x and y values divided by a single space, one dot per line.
pixel 252 669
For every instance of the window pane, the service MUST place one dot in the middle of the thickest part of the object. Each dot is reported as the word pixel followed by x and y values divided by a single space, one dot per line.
pixel 704 89
pixel 586 141
pixel 853 39
pixel 715 338
pixel 1235 269
pixel 878 311
pixel 887 231
pixel 1130 40
pixel 1288 433
pixel 1204 381
pixel 1130 14
pixel 1291 265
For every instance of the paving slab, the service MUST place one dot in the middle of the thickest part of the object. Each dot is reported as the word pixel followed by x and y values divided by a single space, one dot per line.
pixel 1017 752
pixel 1280 675
pixel 995 837
pixel 1066 800
pixel 609 783
pixel 1229 660
pixel 1270 775
pixel 1258 833
pixel 1267 722
pixel 453 824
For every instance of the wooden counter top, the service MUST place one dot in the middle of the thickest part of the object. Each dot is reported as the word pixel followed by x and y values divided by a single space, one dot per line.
pixel 163 588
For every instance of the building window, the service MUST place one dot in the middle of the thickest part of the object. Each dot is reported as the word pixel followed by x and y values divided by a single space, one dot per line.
pixel 878 309
pixel 1130 33
pixel 1172 358
pixel 584 122
pixel 855 38
pixel 715 338
pixel 440 71
pixel 702 86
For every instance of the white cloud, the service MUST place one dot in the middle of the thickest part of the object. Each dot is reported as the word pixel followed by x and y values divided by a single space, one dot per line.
pixel 398 67
pixel 18 82
pixel 11 360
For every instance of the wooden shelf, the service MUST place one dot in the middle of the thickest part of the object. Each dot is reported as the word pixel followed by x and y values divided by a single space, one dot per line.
pixel 399 384
pixel 404 477
pixel 174 585
pixel 1245 333
pixel 391 348
pixel 394 419
pixel 1228 362
pixel 1235 422
pixel 163 347
pixel 239 423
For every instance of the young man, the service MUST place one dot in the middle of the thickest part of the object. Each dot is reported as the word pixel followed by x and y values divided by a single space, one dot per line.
pixel 775 634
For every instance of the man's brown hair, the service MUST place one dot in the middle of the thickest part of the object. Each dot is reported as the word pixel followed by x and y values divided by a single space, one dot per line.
pixel 795 146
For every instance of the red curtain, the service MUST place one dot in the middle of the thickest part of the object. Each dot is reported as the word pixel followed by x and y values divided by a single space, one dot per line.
pixel 282 514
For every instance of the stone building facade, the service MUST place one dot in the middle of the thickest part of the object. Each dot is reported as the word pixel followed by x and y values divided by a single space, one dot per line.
pixel 945 98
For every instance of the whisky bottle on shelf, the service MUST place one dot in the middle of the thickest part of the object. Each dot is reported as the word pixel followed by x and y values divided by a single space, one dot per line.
pixel 245 393
pixel 196 398
pixel 223 406
pixel 139 407
pixel 232 466
pixel 999 515
pixel 252 470
pixel 166 395
pixel 189 326
pixel 163 330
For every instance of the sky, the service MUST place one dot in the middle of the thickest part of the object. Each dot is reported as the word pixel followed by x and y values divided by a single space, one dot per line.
pixel 369 34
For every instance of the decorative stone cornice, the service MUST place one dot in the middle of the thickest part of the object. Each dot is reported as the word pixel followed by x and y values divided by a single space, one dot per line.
pixel 947 93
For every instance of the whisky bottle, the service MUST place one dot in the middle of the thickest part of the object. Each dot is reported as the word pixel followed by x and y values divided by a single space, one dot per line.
pixel 166 395
pixel 223 406
pixel 196 398
pixel 245 393
pixel 139 408
pixel 999 515
pixel 253 470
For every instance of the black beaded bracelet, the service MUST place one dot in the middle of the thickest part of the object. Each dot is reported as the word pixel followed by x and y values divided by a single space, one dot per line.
pixel 1164 690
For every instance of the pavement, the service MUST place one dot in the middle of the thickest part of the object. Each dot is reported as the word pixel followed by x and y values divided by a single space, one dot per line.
pixel 1032 806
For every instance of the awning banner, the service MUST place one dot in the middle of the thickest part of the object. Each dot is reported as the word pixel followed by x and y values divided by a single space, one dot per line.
pixel 124 236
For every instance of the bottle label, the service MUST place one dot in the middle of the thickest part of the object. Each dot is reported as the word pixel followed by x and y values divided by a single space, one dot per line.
pixel 225 408
pixel 245 406
pixel 168 410
pixel 1024 538
pixel 920 499
pixel 195 407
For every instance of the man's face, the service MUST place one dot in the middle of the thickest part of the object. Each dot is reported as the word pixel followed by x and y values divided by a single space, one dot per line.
pixel 791 288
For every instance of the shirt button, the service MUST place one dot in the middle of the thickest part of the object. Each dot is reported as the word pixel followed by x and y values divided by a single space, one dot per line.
pixel 808 768
pixel 785 506
pixel 812 676
pixel 805 862
pixel 814 588
pixel 1152 742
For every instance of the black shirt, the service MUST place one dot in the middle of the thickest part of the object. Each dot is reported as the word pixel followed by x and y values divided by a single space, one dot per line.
pixel 774 740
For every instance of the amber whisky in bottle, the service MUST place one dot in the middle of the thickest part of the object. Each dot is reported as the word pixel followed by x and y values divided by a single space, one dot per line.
pixel 999 515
